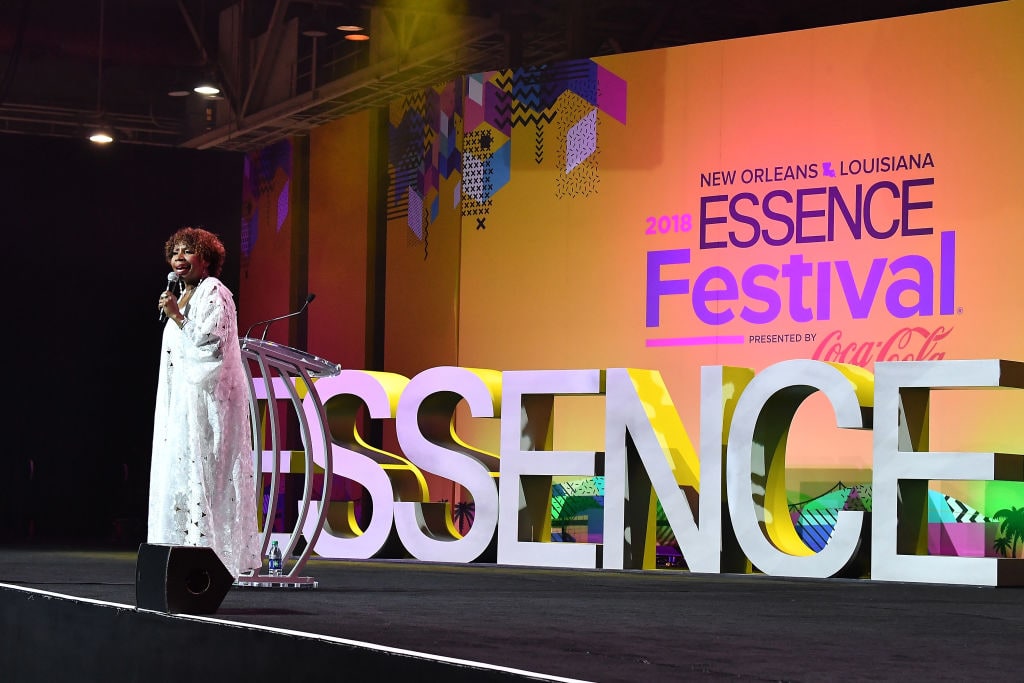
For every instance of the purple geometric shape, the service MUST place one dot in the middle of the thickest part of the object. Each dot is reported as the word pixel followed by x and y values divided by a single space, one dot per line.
pixel 581 141
pixel 611 94
pixel 496 108
pixel 430 178
pixel 283 205
pixel 962 539
pixel 414 214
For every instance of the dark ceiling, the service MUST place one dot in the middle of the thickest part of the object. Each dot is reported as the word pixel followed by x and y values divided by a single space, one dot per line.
pixel 69 65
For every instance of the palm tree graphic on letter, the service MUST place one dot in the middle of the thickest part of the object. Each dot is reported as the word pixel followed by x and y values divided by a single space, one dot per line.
pixel 1012 527
pixel 463 514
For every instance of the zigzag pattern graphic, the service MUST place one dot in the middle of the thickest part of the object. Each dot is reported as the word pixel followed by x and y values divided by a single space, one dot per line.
pixel 540 87
pixel 535 90
pixel 405 140
pixel 963 512
pixel 504 107
pixel 428 141
pixel 503 79
pixel 533 117
pixel 408 146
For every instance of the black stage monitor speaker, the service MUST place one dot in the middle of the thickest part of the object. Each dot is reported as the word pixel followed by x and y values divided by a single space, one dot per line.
pixel 180 579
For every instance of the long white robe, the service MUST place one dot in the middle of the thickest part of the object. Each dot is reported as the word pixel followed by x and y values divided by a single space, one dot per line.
pixel 202 487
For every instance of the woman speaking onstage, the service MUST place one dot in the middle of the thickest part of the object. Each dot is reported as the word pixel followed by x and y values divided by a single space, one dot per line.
pixel 202 488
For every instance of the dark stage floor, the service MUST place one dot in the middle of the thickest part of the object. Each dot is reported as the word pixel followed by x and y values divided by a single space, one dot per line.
pixel 664 625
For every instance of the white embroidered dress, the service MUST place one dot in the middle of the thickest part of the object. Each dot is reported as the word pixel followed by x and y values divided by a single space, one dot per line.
pixel 202 488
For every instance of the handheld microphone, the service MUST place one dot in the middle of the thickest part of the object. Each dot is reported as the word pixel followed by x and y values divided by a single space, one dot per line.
pixel 309 298
pixel 172 279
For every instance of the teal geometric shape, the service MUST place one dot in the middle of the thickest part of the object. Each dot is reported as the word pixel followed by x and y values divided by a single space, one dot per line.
pixel 938 509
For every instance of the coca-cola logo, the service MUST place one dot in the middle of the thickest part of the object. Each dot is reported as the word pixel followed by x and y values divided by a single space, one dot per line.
pixel 906 343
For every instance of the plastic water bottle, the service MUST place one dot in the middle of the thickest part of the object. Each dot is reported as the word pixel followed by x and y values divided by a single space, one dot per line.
pixel 274 559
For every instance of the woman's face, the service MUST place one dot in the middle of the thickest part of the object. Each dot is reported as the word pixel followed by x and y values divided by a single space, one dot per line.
pixel 189 266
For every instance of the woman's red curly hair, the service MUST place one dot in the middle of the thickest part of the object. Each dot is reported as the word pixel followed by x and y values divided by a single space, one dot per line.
pixel 202 242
